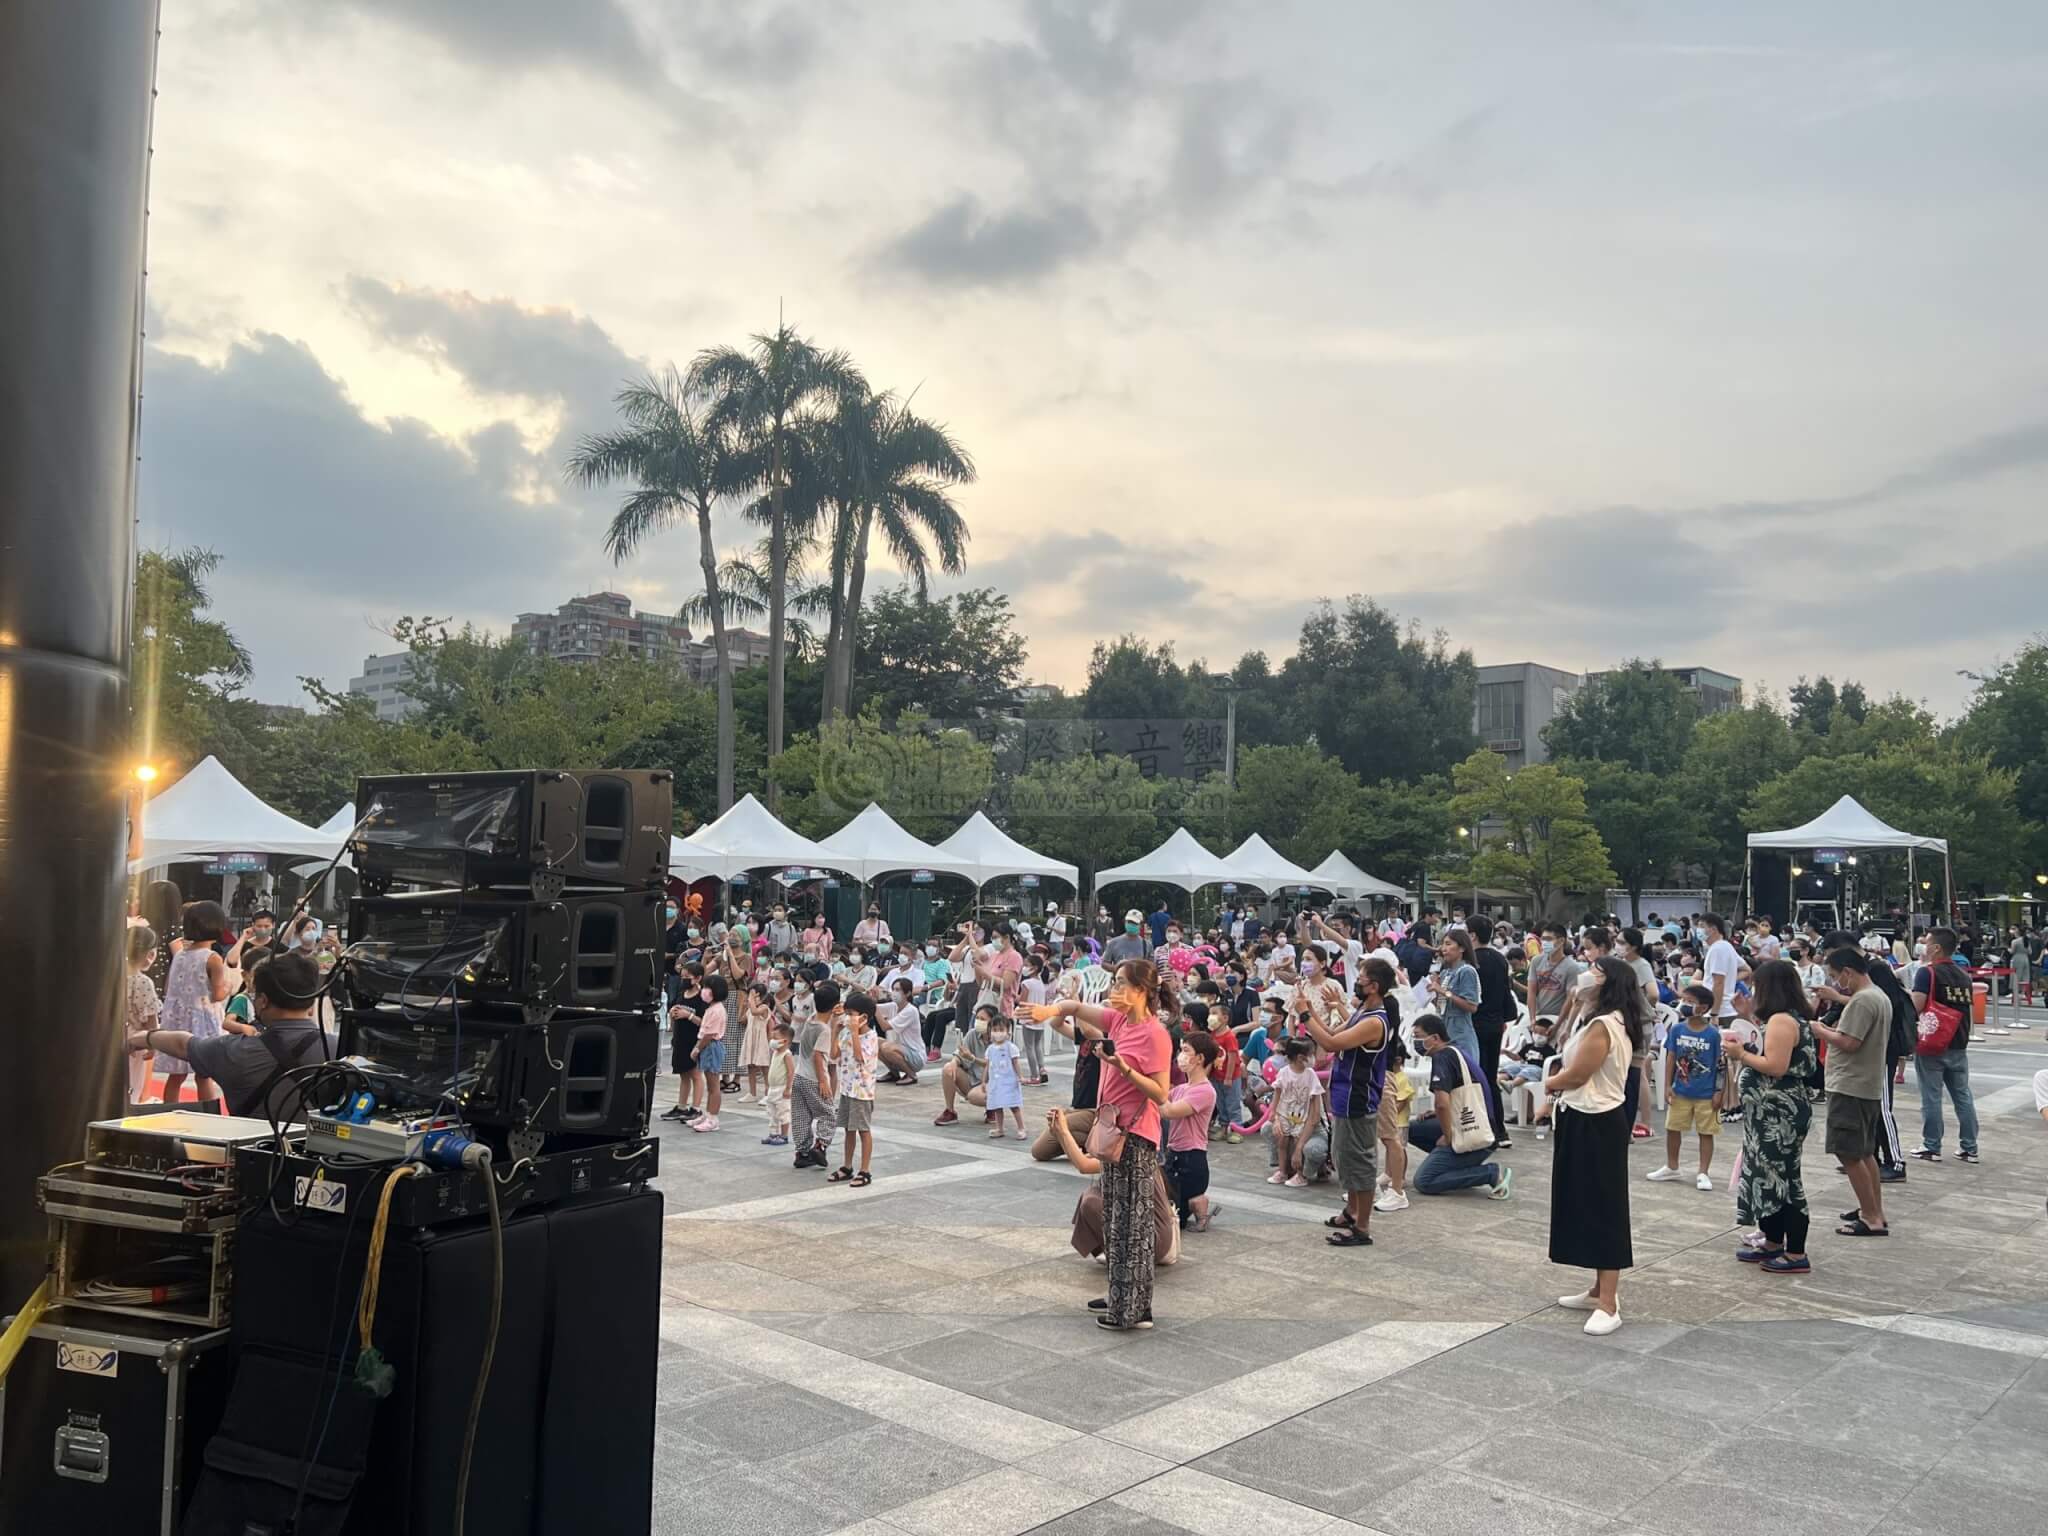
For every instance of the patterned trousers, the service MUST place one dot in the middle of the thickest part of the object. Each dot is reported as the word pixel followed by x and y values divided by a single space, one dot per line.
pixel 1128 1236
pixel 811 1115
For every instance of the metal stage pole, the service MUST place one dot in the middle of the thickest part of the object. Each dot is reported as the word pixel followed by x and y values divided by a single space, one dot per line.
pixel 76 84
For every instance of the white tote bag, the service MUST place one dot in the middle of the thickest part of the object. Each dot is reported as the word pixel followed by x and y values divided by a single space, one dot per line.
pixel 1471 1127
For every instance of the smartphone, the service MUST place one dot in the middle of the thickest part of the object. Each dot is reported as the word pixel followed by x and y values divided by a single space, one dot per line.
pixel 1105 1047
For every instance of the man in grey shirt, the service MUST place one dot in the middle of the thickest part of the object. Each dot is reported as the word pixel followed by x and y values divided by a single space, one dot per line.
pixel 781 934
pixel 250 1068
pixel 1855 1081
pixel 1131 944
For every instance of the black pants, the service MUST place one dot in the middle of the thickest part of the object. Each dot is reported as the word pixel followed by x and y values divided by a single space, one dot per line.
pixel 1889 1153
pixel 1786 1227
pixel 1489 1035
pixel 934 1025
pixel 1188 1173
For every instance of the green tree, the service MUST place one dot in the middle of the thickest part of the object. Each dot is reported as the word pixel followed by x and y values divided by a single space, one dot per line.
pixel 761 397
pixel 954 658
pixel 680 468
pixel 929 779
pixel 187 664
pixel 1091 812
pixel 1129 679
pixel 900 470
pixel 1401 828
pixel 1730 755
pixel 1300 799
pixel 2007 722
pixel 1637 715
pixel 1545 844
pixel 1642 818
pixel 1896 722
pixel 1382 699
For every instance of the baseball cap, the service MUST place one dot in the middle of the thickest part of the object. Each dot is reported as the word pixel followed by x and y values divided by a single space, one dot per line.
pixel 1134 916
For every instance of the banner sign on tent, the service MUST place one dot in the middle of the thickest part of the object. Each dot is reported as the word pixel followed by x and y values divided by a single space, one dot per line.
pixel 1830 855
pixel 1028 882
pixel 921 877
pixel 236 864
pixel 1304 890
pixel 794 873
pixel 831 884
pixel 739 879
pixel 1230 888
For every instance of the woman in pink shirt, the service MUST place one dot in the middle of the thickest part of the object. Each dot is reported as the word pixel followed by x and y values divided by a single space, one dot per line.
pixel 1134 1047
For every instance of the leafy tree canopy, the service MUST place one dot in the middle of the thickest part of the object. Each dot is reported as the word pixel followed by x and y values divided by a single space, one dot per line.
pixel 952 658
pixel 1637 715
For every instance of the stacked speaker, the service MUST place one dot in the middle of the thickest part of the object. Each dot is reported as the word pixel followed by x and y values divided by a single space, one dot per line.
pixel 505 953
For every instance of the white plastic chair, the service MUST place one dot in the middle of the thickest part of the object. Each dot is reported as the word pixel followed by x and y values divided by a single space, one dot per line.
pixel 1094 982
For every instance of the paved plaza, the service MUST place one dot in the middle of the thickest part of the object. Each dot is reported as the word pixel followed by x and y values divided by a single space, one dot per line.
pixel 914 1358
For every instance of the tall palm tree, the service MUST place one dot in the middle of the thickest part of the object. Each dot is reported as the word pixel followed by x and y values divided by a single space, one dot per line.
pixel 762 396
pixel 681 465
pixel 901 469
pixel 743 590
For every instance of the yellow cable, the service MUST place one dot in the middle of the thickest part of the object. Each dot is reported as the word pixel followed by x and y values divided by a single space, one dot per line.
pixel 366 1312
pixel 17 1331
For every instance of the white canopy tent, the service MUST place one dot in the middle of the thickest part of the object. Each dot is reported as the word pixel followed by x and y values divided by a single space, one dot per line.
pixel 1340 875
pixel 209 811
pixel 686 861
pixel 748 837
pixel 1256 862
pixel 1847 825
pixel 340 824
pixel 872 845
pixel 1180 860
pixel 994 854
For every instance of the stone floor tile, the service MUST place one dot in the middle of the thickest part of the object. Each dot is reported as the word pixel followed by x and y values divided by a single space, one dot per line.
pixel 1094 1466
pixel 1446 1503
pixel 1531 1464
pixel 875 1469
pixel 1006 1502
pixel 1214 1506
pixel 755 1424
pixel 968 1360
pixel 742 1503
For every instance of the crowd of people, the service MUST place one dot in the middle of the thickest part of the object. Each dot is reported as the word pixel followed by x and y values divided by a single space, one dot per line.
pixel 1349 1043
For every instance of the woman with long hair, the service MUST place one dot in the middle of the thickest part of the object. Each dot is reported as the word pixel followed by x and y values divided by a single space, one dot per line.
pixel 1588 1084
pixel 1134 1048
pixel 1776 1112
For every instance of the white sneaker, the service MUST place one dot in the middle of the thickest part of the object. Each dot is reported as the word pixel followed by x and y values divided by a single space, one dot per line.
pixel 1600 1324
pixel 1704 1181
pixel 1297 1182
pixel 1391 1200
pixel 1580 1303
pixel 1279 1176
pixel 1659 1175
pixel 1382 1184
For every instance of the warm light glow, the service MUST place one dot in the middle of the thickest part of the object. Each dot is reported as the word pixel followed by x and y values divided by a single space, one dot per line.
pixel 1852 858
pixel 1926 885
pixel 1464 831
pixel 145 773
pixel 2041 879
pixel 1797 871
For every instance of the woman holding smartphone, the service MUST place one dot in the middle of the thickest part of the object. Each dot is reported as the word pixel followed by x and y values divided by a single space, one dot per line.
pixel 1134 1049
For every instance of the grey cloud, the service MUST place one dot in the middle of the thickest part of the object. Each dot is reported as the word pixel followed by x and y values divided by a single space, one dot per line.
pixel 2022 447
pixel 1231 138
pixel 960 245
pixel 739 42
pixel 328 520
pixel 500 347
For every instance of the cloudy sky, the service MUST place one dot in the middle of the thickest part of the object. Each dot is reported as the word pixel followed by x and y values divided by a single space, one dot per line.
pixel 1582 330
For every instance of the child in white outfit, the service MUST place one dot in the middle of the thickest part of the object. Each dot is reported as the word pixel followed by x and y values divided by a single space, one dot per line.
pixel 1005 1085
pixel 781 1084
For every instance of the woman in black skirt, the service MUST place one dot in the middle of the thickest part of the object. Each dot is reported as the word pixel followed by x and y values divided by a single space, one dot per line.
pixel 1588 1082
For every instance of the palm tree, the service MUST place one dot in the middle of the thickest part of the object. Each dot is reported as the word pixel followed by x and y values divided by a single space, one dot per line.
pixel 762 396
pixel 681 465
pixel 900 469
pixel 743 590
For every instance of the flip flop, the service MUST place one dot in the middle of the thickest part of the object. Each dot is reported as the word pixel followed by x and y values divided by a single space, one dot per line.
pixel 1347 1238
pixel 1858 1227
pixel 1341 1219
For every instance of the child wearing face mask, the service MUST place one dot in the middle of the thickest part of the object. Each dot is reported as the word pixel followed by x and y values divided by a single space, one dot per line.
pixel 1035 989
pixel 1005 1083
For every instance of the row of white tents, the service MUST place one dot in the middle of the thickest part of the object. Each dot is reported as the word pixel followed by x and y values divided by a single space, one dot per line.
pixel 209 812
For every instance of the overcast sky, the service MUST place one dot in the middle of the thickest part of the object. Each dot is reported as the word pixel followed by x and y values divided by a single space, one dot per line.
pixel 1581 330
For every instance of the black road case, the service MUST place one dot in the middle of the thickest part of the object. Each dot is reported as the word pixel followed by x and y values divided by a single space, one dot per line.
pixel 102 1421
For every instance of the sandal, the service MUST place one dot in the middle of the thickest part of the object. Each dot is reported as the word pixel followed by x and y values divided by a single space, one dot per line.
pixel 1348 1238
pixel 1203 1224
pixel 1856 1226
pixel 1341 1219
pixel 839 1176
pixel 862 1179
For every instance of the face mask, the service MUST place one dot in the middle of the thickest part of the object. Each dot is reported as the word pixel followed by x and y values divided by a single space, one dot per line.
pixel 931 951
pixel 774 984
pixel 1685 1010
pixel 671 914
pixel 801 987
pixel 693 935
pixel 1309 968
pixel 309 936
pixel 1173 938
pixel 1130 927
pixel 882 948
pixel 1550 946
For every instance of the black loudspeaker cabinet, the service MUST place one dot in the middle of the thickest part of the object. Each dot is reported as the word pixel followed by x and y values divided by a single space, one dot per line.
pixel 582 950
pixel 540 828
pixel 565 1446
pixel 583 1074
pixel 101 1426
